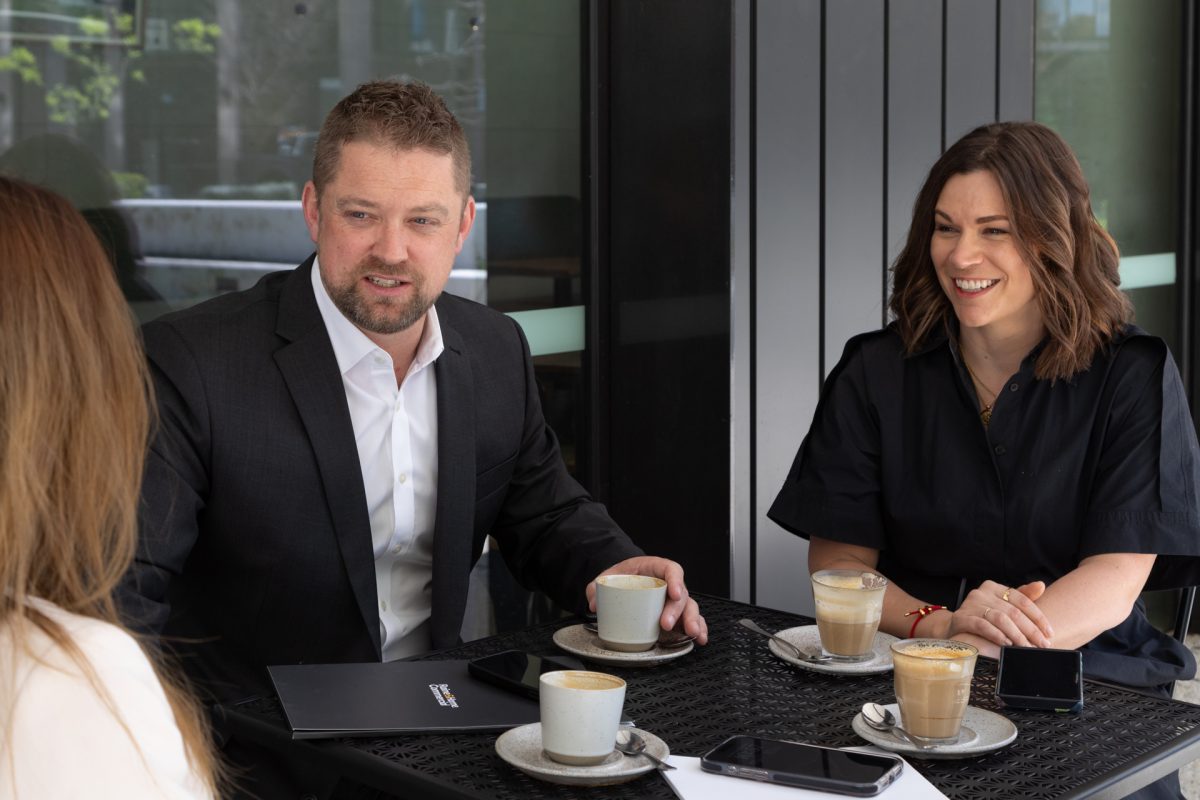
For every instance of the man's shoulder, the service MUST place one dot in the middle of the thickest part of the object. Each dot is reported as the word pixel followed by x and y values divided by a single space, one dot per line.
pixel 237 317
pixel 476 323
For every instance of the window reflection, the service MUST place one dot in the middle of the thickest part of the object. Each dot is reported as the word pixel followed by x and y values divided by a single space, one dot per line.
pixel 185 131
pixel 1107 79
pixel 189 127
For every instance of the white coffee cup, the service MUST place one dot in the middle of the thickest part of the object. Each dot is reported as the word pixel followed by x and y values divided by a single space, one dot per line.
pixel 580 714
pixel 628 608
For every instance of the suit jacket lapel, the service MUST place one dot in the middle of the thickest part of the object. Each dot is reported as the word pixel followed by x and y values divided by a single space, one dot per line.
pixel 454 528
pixel 311 372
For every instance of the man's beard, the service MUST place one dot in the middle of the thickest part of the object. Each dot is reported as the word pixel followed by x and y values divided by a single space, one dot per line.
pixel 380 315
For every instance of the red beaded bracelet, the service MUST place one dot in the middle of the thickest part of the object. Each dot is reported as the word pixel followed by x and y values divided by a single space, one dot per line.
pixel 921 613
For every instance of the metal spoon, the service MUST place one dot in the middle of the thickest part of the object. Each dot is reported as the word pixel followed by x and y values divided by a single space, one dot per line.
pixel 800 654
pixel 882 719
pixel 631 743
pixel 668 639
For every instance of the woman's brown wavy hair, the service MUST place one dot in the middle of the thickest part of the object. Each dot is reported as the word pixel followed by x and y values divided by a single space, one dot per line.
pixel 75 417
pixel 1072 259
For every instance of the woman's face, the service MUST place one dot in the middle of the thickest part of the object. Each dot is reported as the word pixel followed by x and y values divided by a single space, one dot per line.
pixel 977 261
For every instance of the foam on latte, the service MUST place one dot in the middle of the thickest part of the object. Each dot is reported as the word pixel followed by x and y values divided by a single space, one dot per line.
pixel 936 650
pixel 841 581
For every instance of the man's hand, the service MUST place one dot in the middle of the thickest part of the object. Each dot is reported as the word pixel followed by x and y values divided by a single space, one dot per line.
pixel 679 610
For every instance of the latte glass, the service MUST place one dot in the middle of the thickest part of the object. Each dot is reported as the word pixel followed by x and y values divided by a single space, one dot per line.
pixel 848 604
pixel 933 686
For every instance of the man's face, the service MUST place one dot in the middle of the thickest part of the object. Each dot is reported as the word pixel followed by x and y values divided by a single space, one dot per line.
pixel 387 228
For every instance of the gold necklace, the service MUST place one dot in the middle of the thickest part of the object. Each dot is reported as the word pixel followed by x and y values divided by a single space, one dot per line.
pixel 985 413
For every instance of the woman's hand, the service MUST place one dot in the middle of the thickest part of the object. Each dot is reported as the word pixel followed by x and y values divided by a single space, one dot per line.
pixel 1004 615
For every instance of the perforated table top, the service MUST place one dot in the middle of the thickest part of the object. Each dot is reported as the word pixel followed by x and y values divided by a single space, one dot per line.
pixel 1120 741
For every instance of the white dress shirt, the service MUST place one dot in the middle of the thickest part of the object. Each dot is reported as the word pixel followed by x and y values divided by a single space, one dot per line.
pixel 395 429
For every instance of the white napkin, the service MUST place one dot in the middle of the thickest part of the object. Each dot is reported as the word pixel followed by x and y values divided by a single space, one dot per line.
pixel 692 783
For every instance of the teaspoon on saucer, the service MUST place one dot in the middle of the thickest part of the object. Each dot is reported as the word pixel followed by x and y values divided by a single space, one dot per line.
pixel 791 648
pixel 631 743
pixel 882 720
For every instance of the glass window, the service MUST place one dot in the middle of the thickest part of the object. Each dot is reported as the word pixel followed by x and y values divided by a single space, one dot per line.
pixel 184 129
pixel 1107 79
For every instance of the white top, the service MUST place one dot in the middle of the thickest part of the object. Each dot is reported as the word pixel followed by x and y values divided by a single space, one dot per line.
pixel 395 429
pixel 66 741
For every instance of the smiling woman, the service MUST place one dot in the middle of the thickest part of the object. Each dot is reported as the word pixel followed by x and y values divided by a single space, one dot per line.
pixel 1008 450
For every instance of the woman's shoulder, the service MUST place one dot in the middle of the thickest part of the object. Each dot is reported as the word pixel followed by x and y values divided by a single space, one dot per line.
pixel 109 709
pixel 878 358
pixel 1139 343
pixel 102 643
pixel 1133 354
pixel 874 346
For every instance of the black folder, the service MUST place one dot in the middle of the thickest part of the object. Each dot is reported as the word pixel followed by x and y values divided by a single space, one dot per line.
pixel 327 700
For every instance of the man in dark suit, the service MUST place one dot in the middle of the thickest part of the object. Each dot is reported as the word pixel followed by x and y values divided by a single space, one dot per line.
pixel 336 443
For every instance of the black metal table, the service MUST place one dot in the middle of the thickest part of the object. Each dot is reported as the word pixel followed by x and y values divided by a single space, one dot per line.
pixel 1121 740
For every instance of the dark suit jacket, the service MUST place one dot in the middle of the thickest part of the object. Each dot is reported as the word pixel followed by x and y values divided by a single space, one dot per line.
pixel 255 539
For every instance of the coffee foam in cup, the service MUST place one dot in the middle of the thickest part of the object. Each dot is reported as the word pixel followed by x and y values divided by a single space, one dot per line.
pixel 581 679
pixel 632 581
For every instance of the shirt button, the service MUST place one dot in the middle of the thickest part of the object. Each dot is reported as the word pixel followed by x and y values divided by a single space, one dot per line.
pixel 396 550
pixel 1012 387
pixel 380 360
pixel 403 478
pixel 1000 449
pixel 383 605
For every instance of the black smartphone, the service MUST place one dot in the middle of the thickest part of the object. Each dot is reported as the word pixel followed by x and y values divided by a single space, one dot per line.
pixel 1040 678
pixel 808 766
pixel 516 671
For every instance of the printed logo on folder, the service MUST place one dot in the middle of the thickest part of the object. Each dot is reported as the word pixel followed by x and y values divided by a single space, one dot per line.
pixel 442 693
pixel 326 700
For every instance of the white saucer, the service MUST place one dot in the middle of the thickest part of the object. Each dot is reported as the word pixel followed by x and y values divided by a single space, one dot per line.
pixel 522 747
pixel 808 639
pixel 582 642
pixel 983 731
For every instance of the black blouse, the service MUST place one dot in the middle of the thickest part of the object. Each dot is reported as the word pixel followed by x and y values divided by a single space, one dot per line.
pixel 1107 462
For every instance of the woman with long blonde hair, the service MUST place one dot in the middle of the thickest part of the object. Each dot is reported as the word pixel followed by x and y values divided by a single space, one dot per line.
pixel 85 710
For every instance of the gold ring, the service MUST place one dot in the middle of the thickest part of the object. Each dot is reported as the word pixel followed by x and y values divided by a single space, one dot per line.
pixel 1005 597
pixel 986 611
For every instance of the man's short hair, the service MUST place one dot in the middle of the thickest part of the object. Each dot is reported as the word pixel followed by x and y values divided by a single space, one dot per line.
pixel 406 116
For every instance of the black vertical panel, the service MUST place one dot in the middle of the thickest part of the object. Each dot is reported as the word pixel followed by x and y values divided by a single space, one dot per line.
pixel 669 167
pixel 1188 247
pixel 593 456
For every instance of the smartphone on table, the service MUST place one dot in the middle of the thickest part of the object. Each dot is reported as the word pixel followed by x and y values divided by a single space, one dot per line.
pixel 808 766
pixel 516 671
pixel 1040 678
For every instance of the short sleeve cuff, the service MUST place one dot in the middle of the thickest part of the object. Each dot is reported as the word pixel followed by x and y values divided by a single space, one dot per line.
pixel 808 513
pixel 1160 532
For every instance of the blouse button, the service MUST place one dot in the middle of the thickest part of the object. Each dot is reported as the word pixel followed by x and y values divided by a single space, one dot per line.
pixel 1000 450
pixel 1012 387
